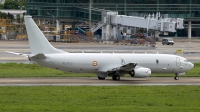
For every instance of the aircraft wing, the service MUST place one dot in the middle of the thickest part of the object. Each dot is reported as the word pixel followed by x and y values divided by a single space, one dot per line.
pixel 20 54
pixel 126 67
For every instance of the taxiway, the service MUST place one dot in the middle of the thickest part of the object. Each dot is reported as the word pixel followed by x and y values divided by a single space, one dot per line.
pixel 93 81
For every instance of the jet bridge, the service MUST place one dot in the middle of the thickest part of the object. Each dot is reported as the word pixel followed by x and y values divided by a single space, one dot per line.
pixel 150 22
pixel 113 24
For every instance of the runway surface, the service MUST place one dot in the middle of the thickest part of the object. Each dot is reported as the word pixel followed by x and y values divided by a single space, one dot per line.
pixel 93 81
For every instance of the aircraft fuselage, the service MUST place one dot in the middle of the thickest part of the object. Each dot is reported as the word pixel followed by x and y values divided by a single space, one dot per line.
pixel 96 62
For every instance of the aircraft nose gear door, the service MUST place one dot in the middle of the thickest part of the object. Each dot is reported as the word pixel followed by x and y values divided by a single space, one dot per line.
pixel 178 62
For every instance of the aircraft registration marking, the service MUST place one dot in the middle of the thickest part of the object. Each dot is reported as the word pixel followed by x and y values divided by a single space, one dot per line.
pixel 67 63
pixel 94 63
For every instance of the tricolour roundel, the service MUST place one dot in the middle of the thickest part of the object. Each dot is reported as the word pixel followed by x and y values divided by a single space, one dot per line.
pixel 94 63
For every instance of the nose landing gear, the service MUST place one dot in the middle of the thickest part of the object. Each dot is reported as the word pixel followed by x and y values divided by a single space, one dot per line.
pixel 176 77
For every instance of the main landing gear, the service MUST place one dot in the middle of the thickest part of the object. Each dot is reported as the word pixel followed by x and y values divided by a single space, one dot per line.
pixel 132 73
pixel 116 77
pixel 101 78
pixel 176 77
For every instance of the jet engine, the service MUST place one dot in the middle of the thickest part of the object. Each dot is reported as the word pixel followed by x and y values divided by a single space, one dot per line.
pixel 141 72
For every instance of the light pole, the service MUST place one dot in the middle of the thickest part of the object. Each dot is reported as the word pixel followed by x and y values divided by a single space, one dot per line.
pixel 52 16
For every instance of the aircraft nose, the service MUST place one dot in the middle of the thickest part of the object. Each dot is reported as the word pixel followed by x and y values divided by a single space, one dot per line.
pixel 191 65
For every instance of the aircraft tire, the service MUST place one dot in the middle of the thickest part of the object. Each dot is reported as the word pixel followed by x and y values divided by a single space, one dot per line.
pixel 176 78
pixel 132 73
pixel 117 77
pixel 114 77
pixel 101 78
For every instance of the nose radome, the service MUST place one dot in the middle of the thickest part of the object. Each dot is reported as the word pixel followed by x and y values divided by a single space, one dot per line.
pixel 192 65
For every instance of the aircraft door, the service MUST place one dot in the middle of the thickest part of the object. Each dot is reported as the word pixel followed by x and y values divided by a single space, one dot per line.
pixel 178 62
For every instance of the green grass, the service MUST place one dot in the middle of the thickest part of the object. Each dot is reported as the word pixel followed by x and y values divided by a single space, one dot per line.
pixel 35 70
pixel 100 99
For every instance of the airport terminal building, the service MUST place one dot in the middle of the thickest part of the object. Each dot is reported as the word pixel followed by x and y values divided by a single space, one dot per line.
pixel 79 10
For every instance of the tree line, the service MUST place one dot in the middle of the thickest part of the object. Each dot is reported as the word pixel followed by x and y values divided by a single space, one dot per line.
pixel 6 16
pixel 12 4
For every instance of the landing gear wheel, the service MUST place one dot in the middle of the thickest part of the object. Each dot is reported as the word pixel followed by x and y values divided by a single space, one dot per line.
pixel 116 77
pixel 101 78
pixel 113 77
pixel 176 78
pixel 132 73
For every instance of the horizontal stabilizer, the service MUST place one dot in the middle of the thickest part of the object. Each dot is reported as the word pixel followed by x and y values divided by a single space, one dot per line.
pixel 20 54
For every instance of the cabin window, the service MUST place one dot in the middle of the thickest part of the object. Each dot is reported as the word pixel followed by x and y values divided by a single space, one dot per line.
pixel 157 61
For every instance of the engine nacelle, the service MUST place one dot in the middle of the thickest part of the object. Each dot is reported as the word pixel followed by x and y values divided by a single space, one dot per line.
pixel 141 72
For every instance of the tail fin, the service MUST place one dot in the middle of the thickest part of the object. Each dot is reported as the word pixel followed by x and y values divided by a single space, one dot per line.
pixel 37 40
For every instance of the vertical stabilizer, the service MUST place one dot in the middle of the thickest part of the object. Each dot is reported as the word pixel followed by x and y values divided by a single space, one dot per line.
pixel 37 40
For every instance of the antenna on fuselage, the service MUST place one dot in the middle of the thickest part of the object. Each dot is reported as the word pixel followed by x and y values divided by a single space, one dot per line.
pixel 81 50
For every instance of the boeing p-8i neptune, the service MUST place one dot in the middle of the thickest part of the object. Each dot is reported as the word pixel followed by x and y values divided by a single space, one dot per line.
pixel 102 64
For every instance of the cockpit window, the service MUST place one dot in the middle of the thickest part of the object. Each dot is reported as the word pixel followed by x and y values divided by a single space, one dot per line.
pixel 185 60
